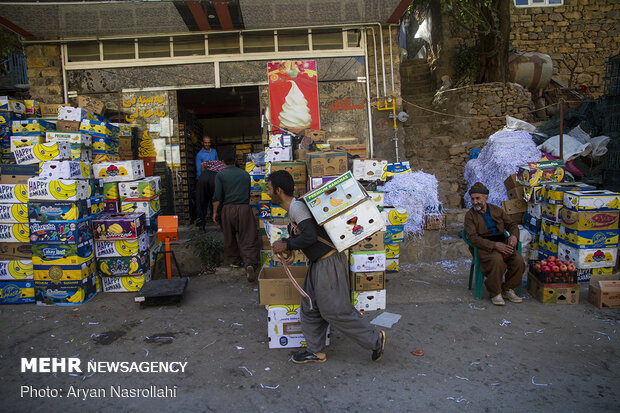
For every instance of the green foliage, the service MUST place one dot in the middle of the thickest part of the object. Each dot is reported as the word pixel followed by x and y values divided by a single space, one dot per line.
pixel 466 64
pixel 208 247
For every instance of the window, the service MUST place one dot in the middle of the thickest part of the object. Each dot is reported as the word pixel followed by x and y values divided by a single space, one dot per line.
pixel 189 46
pixel 538 3
pixel 83 51
pixel 119 49
pixel 223 43
pixel 290 40
pixel 155 47
pixel 323 39
pixel 257 42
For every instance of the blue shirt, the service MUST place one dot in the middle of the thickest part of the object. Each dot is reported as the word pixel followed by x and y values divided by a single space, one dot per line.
pixel 204 156
pixel 491 225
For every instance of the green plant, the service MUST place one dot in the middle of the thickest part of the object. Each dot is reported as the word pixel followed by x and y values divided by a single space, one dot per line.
pixel 466 64
pixel 208 247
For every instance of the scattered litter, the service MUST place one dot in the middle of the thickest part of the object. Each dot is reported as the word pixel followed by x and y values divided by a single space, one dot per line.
pixel 269 387
pixel 462 378
pixel 538 384
pixel 474 362
pixel 493 384
pixel 604 334
pixel 532 332
pixel 457 399
pixel 246 369
pixel 236 324
pixel 75 315
pixel 418 281
pixel 504 323
pixel 240 348
pixel 213 342
pixel 220 320
pixel 418 353
pixel 298 387
pixel 86 377
pixel 421 374
pixel 386 319
pixel 52 335
pixel 94 323
pixel 147 352
pixel 74 375
pixel 267 369
pixel 473 307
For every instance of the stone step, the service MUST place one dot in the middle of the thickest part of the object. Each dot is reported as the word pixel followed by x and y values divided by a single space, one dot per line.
pixel 434 246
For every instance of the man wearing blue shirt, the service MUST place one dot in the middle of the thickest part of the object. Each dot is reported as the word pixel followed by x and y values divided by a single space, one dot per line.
pixel 206 180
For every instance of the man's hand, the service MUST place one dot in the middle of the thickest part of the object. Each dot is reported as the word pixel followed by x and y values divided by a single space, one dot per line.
pixel 203 167
pixel 512 241
pixel 214 217
pixel 504 249
pixel 279 246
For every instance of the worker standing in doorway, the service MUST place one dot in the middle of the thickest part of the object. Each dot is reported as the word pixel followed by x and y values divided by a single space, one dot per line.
pixel 206 180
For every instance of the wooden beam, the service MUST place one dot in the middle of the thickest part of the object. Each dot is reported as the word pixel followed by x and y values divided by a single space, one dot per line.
pixel 223 14
pixel 399 11
pixel 12 26
pixel 199 15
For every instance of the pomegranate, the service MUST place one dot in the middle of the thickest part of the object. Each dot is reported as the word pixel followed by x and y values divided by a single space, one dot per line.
pixel 555 268
pixel 563 268
pixel 571 267
pixel 543 262
pixel 551 259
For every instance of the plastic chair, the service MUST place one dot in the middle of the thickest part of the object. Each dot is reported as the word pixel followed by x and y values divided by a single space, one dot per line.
pixel 474 271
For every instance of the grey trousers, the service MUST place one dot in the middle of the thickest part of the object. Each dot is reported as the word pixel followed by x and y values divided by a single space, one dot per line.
pixel 327 283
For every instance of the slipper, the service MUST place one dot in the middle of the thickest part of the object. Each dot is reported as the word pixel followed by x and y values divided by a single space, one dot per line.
pixel 377 354
pixel 304 356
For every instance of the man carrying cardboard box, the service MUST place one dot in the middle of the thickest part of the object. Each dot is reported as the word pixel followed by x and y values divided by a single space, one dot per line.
pixel 327 279
pixel 484 227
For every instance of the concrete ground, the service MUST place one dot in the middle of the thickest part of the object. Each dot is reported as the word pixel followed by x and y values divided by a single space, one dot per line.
pixel 522 357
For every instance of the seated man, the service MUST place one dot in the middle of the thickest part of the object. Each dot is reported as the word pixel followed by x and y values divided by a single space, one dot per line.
pixel 484 227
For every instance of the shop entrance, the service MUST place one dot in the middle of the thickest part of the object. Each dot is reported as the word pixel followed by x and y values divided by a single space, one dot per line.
pixel 230 116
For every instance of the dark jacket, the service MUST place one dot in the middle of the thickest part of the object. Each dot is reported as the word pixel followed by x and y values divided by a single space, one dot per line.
pixel 476 228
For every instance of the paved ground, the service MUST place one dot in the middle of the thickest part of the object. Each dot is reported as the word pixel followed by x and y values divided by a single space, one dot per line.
pixel 522 357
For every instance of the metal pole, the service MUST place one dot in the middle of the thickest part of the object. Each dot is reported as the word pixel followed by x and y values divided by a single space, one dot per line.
pixel 562 128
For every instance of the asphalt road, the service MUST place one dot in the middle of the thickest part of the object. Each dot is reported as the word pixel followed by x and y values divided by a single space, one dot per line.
pixel 522 357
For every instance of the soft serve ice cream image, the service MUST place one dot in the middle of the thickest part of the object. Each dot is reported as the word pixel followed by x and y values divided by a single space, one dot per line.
pixel 295 111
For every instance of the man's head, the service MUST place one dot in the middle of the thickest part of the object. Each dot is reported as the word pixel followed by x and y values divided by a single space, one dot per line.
pixel 228 157
pixel 479 196
pixel 206 143
pixel 280 184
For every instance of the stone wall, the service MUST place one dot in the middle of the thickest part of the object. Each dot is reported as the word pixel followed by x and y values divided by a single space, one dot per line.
pixel 45 73
pixel 586 30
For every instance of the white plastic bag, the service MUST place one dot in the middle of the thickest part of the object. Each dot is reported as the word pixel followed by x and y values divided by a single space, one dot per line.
pixel 572 147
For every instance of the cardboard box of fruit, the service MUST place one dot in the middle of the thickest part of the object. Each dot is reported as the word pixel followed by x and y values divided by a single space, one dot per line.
pixel 553 270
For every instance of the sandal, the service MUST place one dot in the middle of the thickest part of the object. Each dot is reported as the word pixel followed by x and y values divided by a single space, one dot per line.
pixel 304 356
pixel 377 354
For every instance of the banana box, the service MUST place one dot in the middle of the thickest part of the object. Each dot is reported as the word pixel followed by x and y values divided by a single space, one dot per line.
pixel 9 104
pixel 110 191
pixel 278 154
pixel 277 211
pixel 104 145
pixel 53 211
pixel 74 114
pixel 74 292
pixel 257 184
pixel 144 189
pixel 319 181
pixel 371 243
pixel 119 171
pixel 368 169
pixel 41 189
pixel 335 197
pixel 124 129
pixel 32 107
pixel 150 208
pixel 297 169
pixel 31 127
pixel 298 259
pixel 151 222
pixel 368 300
pixel 17 174
pixel 105 157
pixel 134 265
pixel 7 118
pixel 61 232
pixel 17 292
pixel 605 238
pixel 264 210
pixel 83 153
pixel 394 216
pixel 585 258
pixel 253 169
pixel 13 213
pixel 394 234
pixel 59 254
pixel 14 233
pixel 275 232
pixel 392 251
pixel 395 168
pixel 392 265
pixel 589 221
pixel 99 129
pixel 554 193
pixel 284 327
pixel 583 275
pixel 551 212
pixel 57 273
pixel 327 163
pixel 534 210
pixel 378 197
pixel 550 228
pixel 280 140
pixel 537 173
pixel 69 137
pixel 265 258
pixel 16 270
pixel 112 207
pixel 15 251
pixel 122 248
pixel 13 193
pixel 367 261
pixel 65 170
pixel 264 196
pixel 354 224
pixel 19 141
pixel 603 200
pixel 114 227
pixel 548 243
pixel 367 281
pixel 58 151
pixel 97 205
pixel 531 223
pixel 130 284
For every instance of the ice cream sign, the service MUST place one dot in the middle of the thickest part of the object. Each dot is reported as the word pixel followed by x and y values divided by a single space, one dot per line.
pixel 293 95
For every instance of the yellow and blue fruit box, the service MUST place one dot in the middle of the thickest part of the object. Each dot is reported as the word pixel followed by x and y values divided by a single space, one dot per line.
pixel 61 232
pixel 17 292
pixel 133 265
pixel 335 197
pixel 604 238
pixel 550 228
pixel 368 300
pixel 7 118
pixel 72 292
pixel 119 171
pixel 551 212
pixel 9 104
pixel 19 141
pixel 253 169
pixel 554 193
pixel 297 169
pixel 113 227
pixel 394 234
pixel 141 190
pixel 394 216
pixel 257 184
pixel 69 137
pixel 395 168
pixel 104 145
pixel 31 127
pixel 13 193
pixel 392 265
pixel 82 153
pixel 124 129
pixel 75 114
pixel 52 211
pixel 284 327
pixel 14 233
pixel 587 257
pixel 16 270
pixel 65 170
pixel 41 189
pixel 277 211
pixel 378 197
pixel 13 213
pixel 602 200
pixel 97 205
pixel 59 254
pixel 98 128
pixel 57 151
pixel 392 251
pixel 122 248
pixel 548 243
pixel 583 275
pixel 150 208
pixel 537 173
pixel 61 273
pixel 128 284
pixel 589 221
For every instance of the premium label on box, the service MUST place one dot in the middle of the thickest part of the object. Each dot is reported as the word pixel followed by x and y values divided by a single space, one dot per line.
pixel 69 137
